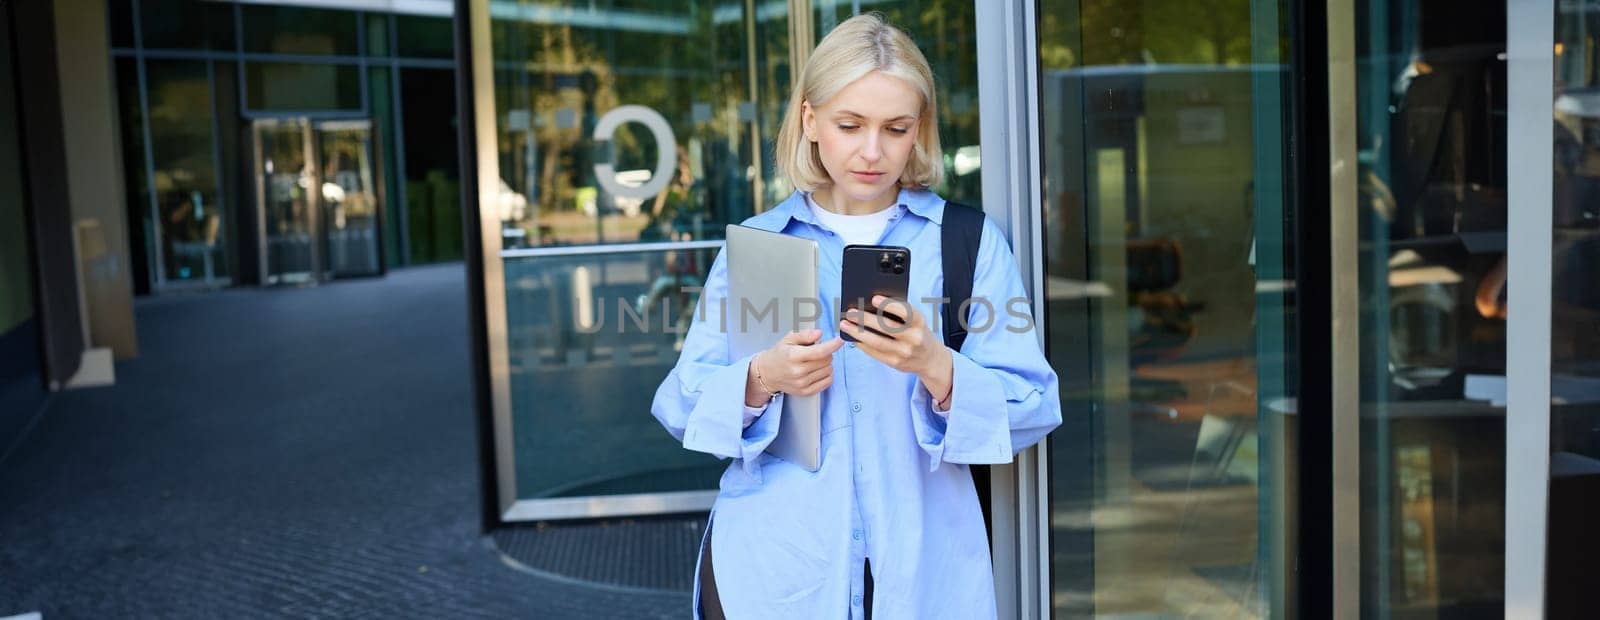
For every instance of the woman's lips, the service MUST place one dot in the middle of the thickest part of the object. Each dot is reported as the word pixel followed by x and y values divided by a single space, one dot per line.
pixel 867 176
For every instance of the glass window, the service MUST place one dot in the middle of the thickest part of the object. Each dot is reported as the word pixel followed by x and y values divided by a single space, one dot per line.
pixel 186 24
pixel 294 30
pixel 377 34
pixel 191 218
pixel 1575 312
pixel 424 37
pixel 432 171
pixel 389 173
pixel 1431 108
pixel 1169 264
pixel 119 15
pixel 286 86
pixel 141 221
pixel 692 68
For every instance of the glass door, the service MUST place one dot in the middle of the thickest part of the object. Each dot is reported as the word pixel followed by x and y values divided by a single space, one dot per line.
pixel 289 221
pixel 349 198
pixel 1169 201
pixel 320 208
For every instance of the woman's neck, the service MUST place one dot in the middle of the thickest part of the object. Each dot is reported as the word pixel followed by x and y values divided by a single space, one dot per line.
pixel 844 205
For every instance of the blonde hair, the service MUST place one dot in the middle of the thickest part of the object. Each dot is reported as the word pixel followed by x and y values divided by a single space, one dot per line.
pixel 855 48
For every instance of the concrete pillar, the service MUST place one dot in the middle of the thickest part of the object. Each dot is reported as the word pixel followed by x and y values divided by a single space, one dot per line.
pixel 94 174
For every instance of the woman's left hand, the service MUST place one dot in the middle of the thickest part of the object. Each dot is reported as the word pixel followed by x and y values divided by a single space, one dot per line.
pixel 907 346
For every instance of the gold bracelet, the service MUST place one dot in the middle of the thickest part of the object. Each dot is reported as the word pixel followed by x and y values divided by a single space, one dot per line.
pixel 771 393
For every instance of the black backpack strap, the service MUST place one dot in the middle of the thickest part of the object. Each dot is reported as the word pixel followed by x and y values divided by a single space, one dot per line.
pixel 960 234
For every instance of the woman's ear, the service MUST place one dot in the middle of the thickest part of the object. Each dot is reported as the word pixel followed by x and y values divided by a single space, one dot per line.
pixel 808 121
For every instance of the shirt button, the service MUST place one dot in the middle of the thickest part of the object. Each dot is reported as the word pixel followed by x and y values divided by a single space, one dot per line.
pixel 856 600
pixel 856 535
pixel 855 407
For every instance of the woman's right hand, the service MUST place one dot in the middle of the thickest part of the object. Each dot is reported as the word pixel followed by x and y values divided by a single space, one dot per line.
pixel 797 365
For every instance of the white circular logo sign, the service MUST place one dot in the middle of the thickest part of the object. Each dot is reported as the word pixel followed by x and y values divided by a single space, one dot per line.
pixel 666 150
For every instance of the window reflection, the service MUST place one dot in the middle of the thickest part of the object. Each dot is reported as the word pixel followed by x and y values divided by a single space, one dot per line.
pixel 1431 111
pixel 1165 151
pixel 1575 312
pixel 715 75
pixel 190 218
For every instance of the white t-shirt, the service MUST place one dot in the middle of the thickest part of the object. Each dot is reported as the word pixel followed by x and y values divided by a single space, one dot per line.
pixel 854 229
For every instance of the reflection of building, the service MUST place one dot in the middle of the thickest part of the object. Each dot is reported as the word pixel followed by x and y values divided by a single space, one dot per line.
pixel 267 143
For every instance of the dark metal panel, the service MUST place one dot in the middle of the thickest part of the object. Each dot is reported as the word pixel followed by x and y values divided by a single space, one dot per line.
pixel 472 248
pixel 45 170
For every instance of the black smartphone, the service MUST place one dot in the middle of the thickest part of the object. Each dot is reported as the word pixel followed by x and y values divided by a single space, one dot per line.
pixel 870 270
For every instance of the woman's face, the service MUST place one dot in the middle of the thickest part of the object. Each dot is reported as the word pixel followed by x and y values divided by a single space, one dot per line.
pixel 865 135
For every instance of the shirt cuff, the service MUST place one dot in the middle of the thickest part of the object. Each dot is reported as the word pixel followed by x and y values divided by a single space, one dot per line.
pixel 751 413
pixel 933 405
pixel 980 435
pixel 715 423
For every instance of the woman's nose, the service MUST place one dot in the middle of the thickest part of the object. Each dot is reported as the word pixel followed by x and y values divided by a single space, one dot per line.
pixel 870 151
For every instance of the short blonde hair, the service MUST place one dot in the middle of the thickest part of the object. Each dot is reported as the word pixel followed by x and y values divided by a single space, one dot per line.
pixel 855 48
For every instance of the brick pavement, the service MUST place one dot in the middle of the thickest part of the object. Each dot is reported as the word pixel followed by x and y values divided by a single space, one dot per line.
pixel 285 453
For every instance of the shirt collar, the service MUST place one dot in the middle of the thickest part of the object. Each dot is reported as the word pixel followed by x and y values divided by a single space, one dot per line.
pixel 922 202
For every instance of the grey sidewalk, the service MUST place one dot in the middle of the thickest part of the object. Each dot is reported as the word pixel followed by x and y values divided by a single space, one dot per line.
pixel 272 453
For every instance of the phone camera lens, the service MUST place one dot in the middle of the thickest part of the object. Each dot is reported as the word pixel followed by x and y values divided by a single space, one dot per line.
pixel 899 270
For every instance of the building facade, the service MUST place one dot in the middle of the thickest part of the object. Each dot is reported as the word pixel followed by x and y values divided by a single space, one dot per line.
pixel 1270 246
pixel 267 143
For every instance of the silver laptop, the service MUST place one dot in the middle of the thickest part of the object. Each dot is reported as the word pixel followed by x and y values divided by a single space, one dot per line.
pixel 772 291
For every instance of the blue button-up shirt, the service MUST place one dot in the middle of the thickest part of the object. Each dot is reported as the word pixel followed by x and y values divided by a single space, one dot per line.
pixel 893 484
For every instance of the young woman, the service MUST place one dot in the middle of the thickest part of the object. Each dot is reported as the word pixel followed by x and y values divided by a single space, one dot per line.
pixel 890 525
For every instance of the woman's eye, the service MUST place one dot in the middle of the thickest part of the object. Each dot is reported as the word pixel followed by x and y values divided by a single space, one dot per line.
pixel 899 130
pixel 847 127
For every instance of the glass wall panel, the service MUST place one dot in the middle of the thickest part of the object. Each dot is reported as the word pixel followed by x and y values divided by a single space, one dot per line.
pixel 1431 107
pixel 302 87
pixel 190 217
pixel 141 222
pixel 119 15
pixel 186 24
pixel 1575 318
pixel 712 76
pixel 424 37
pixel 592 339
pixel 432 172
pixel 390 175
pixel 377 34
pixel 233 162
pixel 295 30
pixel 1169 202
